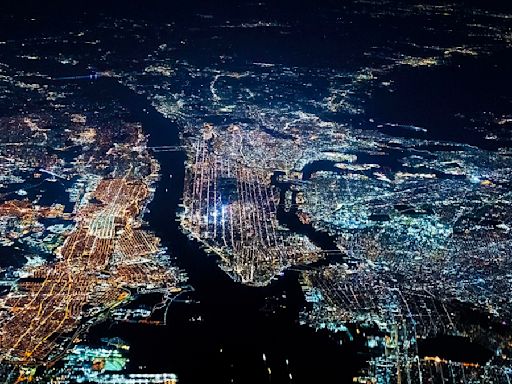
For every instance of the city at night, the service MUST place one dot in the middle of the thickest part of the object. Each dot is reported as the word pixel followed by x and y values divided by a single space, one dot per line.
pixel 256 192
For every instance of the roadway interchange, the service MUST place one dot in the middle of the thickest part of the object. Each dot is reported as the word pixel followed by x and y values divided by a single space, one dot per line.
pixel 104 255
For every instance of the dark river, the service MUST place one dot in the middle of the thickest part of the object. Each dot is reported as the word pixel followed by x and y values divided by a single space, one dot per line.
pixel 231 333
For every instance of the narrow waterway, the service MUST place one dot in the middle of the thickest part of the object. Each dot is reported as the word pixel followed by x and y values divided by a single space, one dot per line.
pixel 232 333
